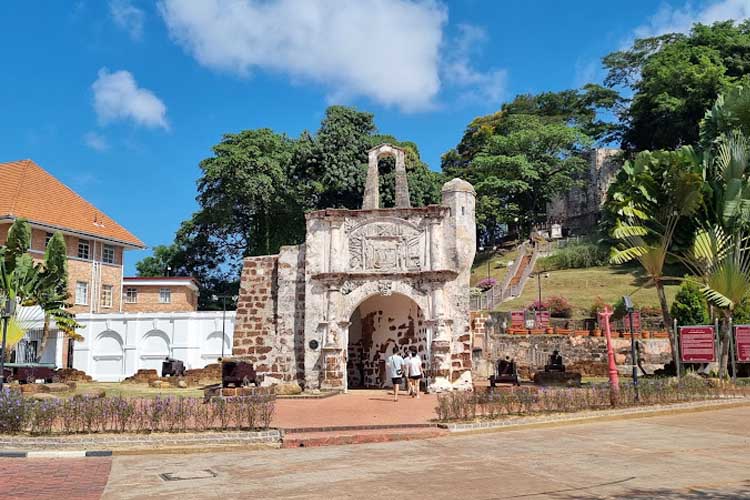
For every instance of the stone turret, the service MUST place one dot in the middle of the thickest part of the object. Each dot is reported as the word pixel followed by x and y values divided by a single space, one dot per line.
pixel 460 197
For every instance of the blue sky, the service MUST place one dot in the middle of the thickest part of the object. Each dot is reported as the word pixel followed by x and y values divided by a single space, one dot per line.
pixel 120 99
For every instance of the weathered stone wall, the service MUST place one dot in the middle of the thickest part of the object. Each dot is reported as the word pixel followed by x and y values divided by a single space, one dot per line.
pixel 290 311
pixel 578 209
pixel 587 355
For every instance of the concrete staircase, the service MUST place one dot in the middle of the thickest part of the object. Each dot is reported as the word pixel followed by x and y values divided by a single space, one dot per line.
pixel 514 281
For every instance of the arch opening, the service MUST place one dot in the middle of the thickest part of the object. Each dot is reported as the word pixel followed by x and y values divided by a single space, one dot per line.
pixel 377 325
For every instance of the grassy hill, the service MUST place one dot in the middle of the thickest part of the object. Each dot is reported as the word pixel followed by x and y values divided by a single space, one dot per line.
pixel 580 286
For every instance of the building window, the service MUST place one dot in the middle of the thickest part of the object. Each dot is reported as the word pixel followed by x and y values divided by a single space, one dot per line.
pixel 108 254
pixel 106 295
pixel 82 293
pixel 47 237
pixel 165 295
pixel 131 295
pixel 83 249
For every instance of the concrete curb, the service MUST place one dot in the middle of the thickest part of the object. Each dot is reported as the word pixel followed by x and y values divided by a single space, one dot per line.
pixel 55 454
pixel 600 416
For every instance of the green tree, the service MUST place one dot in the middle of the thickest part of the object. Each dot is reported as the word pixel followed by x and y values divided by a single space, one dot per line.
pixel 30 283
pixel 53 293
pixel 522 165
pixel 331 165
pixel 535 144
pixel 690 306
pixel 674 78
pixel 162 258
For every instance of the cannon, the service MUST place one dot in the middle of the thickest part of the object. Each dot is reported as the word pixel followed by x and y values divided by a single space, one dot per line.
pixel 172 368
pixel 238 374
pixel 30 372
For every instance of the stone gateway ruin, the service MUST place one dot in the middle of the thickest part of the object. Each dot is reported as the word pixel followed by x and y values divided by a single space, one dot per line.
pixel 327 313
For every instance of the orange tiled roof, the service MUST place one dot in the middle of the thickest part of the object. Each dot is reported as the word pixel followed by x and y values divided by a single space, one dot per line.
pixel 29 191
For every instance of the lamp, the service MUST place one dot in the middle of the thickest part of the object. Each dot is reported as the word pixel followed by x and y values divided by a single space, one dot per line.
pixel 633 351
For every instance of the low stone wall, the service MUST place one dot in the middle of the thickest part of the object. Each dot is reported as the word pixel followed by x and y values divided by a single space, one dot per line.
pixel 586 355
pixel 129 441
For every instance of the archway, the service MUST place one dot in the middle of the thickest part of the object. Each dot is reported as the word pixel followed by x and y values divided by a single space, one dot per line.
pixel 154 349
pixel 108 356
pixel 378 324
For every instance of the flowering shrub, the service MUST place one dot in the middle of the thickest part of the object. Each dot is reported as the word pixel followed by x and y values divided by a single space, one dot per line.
pixel 82 414
pixel 531 401
pixel 14 411
pixel 598 306
pixel 486 284
pixel 559 307
pixel 537 306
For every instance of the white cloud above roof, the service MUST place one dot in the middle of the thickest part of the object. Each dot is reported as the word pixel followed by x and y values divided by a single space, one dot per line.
pixel 117 96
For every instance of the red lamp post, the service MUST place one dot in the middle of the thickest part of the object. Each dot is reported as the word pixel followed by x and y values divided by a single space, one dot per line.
pixel 614 380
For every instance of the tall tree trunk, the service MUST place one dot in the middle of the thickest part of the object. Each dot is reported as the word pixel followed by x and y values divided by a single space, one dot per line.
pixel 724 345
pixel 45 339
pixel 666 316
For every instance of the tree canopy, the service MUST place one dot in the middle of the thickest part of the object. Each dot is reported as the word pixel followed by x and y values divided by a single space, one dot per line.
pixel 527 153
pixel 674 78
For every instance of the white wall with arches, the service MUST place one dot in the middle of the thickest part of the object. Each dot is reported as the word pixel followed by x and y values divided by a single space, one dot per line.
pixel 115 346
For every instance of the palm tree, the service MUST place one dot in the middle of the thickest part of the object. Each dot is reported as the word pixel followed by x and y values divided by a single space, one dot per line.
pixel 664 189
pixel 721 253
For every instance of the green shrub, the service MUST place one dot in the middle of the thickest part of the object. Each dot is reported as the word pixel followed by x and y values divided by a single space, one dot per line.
pixel 576 256
pixel 742 312
pixel 689 306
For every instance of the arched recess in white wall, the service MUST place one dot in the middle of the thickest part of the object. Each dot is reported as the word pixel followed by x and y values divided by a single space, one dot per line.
pixel 108 356
pixel 153 349
pixel 212 347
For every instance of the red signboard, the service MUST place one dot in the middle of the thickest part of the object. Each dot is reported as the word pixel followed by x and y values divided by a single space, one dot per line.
pixel 742 343
pixel 542 319
pixel 697 344
pixel 517 319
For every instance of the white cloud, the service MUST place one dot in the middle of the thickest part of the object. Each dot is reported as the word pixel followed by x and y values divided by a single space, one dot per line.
pixel 128 17
pixel 95 141
pixel 387 50
pixel 481 86
pixel 118 97
pixel 587 71
pixel 669 19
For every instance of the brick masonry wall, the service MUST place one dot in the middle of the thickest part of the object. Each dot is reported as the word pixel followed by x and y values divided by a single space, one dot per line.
pixel 183 299
pixel 255 332
pixel 587 355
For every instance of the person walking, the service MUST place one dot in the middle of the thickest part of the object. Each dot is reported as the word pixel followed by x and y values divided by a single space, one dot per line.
pixel 414 364
pixel 395 364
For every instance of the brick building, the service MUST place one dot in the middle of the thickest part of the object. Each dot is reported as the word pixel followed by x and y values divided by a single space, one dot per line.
pixel 95 243
pixel 161 294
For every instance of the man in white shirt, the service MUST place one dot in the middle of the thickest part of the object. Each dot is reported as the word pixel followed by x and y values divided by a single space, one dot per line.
pixel 395 364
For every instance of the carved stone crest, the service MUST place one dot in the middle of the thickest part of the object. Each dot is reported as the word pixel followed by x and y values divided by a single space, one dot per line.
pixel 389 245
pixel 385 288
pixel 349 286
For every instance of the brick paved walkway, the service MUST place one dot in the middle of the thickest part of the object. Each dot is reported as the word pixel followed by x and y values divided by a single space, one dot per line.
pixel 53 478
pixel 360 407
